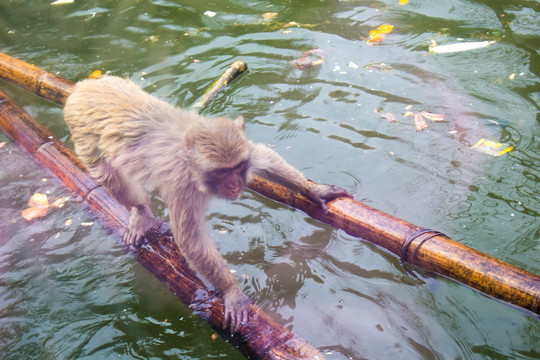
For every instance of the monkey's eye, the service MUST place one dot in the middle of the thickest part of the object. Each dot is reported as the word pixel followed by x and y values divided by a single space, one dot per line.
pixel 220 173
pixel 241 166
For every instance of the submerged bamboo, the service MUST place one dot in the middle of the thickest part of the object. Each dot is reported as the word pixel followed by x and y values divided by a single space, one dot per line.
pixel 428 250
pixel 232 72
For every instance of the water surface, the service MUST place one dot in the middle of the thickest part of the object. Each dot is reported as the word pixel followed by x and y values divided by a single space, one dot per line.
pixel 68 291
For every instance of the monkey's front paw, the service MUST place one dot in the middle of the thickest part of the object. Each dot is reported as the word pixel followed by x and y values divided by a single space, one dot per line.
pixel 139 223
pixel 322 193
pixel 236 310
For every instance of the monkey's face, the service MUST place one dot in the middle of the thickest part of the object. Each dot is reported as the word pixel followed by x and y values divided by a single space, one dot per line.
pixel 227 183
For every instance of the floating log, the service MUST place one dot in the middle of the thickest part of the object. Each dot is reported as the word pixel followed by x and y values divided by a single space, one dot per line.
pixel 428 250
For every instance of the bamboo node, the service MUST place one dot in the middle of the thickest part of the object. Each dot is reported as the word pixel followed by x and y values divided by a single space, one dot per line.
pixel 409 241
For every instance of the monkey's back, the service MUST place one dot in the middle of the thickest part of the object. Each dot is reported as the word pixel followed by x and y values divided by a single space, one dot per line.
pixel 109 114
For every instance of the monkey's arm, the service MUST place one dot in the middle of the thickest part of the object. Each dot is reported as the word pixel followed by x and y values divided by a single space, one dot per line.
pixel 267 163
pixel 187 224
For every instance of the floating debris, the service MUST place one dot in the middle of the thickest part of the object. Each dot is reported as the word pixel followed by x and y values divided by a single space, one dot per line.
pixel 96 74
pixel 386 115
pixel 420 118
pixel 457 47
pixel 377 36
pixel 38 207
pixel 311 58
pixel 269 15
pixel 62 2
pixel 378 67
pixel 491 147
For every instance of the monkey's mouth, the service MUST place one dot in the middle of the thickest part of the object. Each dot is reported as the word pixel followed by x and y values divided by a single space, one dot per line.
pixel 233 195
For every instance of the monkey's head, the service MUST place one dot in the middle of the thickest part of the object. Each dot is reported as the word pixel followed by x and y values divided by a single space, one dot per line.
pixel 219 154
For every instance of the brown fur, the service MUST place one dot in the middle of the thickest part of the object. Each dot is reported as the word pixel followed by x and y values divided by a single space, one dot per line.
pixel 130 141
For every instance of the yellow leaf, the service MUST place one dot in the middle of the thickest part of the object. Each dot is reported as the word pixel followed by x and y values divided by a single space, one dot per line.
pixel 377 35
pixel 403 2
pixel 385 29
pixel 491 147
pixel 95 74
pixel 39 199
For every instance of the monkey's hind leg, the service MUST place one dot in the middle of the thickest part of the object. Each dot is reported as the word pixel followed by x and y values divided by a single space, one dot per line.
pixel 132 196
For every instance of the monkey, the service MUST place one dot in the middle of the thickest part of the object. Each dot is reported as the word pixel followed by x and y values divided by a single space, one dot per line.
pixel 131 141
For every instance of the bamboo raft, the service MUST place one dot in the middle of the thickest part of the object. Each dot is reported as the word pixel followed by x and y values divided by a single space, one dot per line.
pixel 261 338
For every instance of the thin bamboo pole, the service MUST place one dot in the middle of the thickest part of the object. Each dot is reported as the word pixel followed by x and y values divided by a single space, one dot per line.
pixel 236 68
pixel 438 254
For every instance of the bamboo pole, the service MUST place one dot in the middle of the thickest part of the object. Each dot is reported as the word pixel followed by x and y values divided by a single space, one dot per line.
pixel 439 254
pixel 236 68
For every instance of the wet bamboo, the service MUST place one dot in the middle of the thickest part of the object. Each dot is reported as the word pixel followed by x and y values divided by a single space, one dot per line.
pixel 236 68
pixel 439 254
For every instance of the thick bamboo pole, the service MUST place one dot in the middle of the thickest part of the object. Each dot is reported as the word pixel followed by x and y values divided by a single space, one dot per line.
pixel 260 338
pixel 438 254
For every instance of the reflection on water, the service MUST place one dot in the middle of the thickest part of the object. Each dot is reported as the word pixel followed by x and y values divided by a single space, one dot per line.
pixel 70 291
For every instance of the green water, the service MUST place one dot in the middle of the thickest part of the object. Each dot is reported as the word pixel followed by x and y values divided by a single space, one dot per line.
pixel 68 291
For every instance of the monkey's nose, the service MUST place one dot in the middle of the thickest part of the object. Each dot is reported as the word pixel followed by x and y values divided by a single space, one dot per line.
pixel 234 189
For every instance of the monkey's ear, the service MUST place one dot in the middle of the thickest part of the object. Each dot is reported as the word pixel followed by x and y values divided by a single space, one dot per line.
pixel 240 122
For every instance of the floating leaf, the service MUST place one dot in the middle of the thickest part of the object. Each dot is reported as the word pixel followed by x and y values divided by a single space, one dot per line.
pixel 96 74
pixel 38 199
pixel 419 122
pixel 386 115
pixel 269 15
pixel 38 207
pixel 377 35
pixel 33 212
pixel 491 147
pixel 60 202
pixel 403 2
pixel 457 47
pixel 311 58
pixel 432 116
pixel 385 29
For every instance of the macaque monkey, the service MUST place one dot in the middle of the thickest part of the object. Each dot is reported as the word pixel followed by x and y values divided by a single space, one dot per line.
pixel 130 141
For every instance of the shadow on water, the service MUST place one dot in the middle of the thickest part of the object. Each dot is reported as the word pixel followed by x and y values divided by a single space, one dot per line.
pixel 68 291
